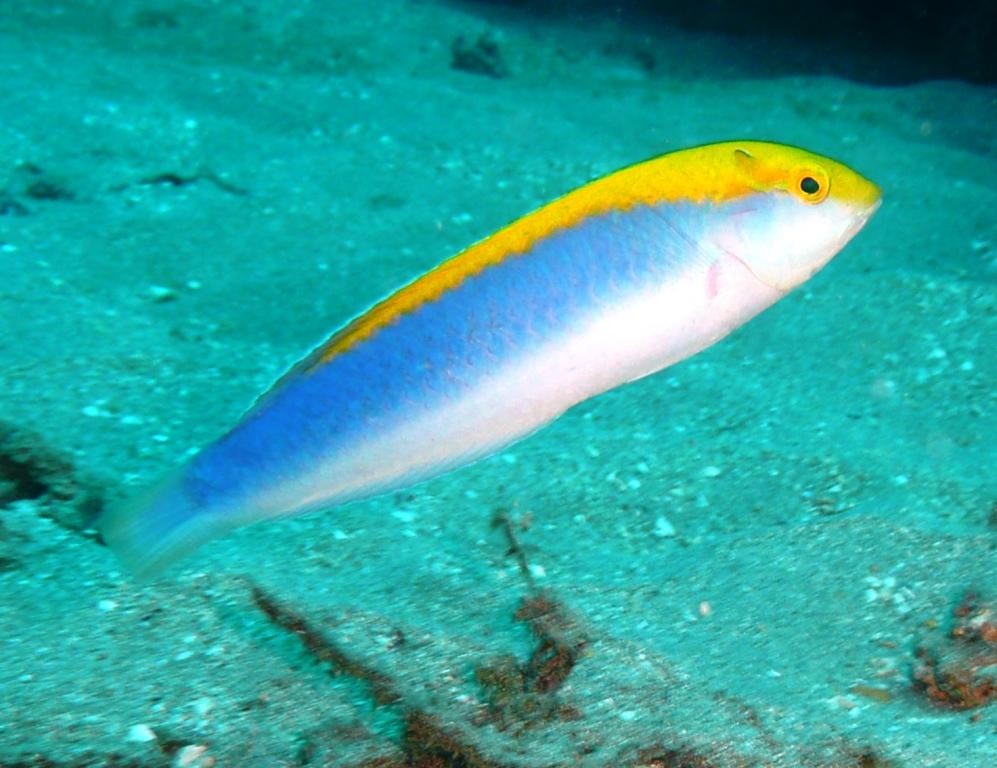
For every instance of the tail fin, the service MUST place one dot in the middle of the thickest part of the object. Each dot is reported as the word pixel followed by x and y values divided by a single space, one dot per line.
pixel 151 531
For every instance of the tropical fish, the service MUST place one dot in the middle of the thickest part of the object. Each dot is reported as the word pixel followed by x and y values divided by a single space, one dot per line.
pixel 618 279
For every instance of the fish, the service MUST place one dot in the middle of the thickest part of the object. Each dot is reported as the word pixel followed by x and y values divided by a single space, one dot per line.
pixel 618 279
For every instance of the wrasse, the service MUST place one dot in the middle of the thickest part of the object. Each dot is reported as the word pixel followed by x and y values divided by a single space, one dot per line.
pixel 618 279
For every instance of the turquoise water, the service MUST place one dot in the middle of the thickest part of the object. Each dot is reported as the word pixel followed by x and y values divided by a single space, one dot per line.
pixel 733 562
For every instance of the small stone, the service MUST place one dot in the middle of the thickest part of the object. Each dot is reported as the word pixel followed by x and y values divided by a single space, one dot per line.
pixel 107 605
pixel 979 245
pixel 843 703
pixel 711 471
pixel 160 294
pixel 189 755
pixel 141 733
pixel 663 527
pixel 481 57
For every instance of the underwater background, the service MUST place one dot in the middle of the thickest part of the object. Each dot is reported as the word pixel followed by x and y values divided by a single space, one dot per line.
pixel 780 552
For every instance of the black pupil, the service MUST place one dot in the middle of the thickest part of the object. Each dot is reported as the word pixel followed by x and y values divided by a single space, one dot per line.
pixel 809 185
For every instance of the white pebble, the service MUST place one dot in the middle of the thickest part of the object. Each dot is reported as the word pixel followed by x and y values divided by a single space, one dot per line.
pixel 141 733
pixel 107 605
pixel 663 528
pixel 842 702
pixel 537 571
pixel 979 245
pixel 190 754
pixel 160 294
pixel 711 471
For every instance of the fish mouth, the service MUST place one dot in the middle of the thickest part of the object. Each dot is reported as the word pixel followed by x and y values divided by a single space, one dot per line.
pixel 860 219
pixel 870 210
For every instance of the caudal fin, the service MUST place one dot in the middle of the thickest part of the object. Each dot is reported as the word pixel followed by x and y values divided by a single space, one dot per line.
pixel 154 529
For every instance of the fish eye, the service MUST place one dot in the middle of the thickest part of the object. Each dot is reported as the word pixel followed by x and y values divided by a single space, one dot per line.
pixel 809 185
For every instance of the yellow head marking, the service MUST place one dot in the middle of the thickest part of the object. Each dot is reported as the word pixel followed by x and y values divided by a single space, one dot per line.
pixel 809 177
pixel 709 174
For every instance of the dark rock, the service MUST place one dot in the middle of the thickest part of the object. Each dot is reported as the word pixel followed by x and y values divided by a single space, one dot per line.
pixel 482 57
pixel 31 469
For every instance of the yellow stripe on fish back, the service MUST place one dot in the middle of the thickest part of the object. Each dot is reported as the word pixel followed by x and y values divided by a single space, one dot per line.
pixel 712 173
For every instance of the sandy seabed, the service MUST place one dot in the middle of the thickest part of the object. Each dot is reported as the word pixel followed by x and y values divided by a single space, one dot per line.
pixel 745 560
